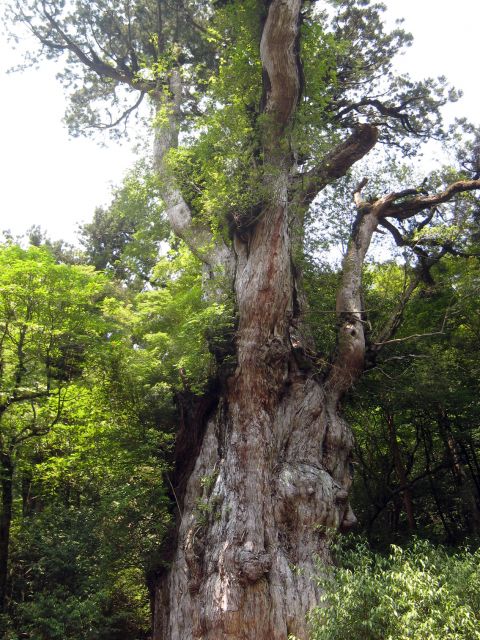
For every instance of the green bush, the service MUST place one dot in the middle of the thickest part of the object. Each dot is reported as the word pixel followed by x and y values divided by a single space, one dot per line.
pixel 421 593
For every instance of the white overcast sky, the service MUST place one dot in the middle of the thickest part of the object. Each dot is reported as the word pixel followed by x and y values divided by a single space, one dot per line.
pixel 56 182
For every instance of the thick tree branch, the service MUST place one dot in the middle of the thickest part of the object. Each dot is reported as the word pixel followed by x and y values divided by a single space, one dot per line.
pixel 199 238
pixel 121 75
pixel 336 163
pixel 349 358
pixel 280 60
pixel 411 206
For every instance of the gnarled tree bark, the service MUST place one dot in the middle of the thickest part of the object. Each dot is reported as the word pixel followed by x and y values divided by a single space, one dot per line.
pixel 272 474
pixel 272 455
pixel 263 463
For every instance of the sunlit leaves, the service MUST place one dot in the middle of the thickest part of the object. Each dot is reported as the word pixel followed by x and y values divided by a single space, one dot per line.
pixel 124 238
pixel 417 594
pixel 173 322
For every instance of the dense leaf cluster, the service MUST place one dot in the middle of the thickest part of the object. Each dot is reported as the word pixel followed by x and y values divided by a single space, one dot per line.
pixel 422 592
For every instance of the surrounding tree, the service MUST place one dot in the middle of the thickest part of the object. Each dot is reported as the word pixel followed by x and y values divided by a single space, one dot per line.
pixel 124 239
pixel 84 508
pixel 274 100
pixel 421 592
pixel 417 437
pixel 47 322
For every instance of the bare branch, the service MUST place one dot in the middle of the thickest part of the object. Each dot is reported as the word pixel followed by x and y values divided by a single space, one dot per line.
pixel 410 207
pixel 124 117
pixel 349 358
pixel 394 322
pixel 413 336
pixel 94 62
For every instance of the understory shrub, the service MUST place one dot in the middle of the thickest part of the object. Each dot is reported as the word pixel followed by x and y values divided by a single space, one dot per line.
pixel 424 592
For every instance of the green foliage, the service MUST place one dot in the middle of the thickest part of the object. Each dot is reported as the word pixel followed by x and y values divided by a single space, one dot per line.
pixel 84 434
pixel 124 239
pixel 176 326
pixel 420 593
pixel 319 54
pixel 427 386
pixel 64 584
pixel 126 48
pixel 320 285
pixel 88 530
pixel 219 167
pixel 49 321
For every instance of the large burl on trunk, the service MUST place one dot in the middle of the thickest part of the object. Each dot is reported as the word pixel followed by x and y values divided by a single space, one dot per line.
pixel 262 467
pixel 271 476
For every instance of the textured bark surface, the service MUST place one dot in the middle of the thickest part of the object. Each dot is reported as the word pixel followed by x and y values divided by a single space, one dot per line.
pixel 6 482
pixel 263 466
pixel 271 478
pixel 272 475
pixel 263 460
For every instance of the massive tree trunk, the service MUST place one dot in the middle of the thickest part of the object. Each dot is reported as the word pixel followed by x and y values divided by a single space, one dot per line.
pixel 271 478
pixel 263 466
pixel 263 463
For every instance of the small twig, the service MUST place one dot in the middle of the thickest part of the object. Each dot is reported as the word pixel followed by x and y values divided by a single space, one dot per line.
pixel 174 495
pixel 414 335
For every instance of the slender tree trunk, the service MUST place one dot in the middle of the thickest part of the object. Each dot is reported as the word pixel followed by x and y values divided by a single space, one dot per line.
pixel 466 492
pixel 400 471
pixel 428 446
pixel 6 481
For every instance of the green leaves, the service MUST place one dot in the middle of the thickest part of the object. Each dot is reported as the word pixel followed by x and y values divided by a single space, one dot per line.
pixel 174 322
pixel 413 594
pixel 219 166
pixel 84 431
pixel 48 321
pixel 124 239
